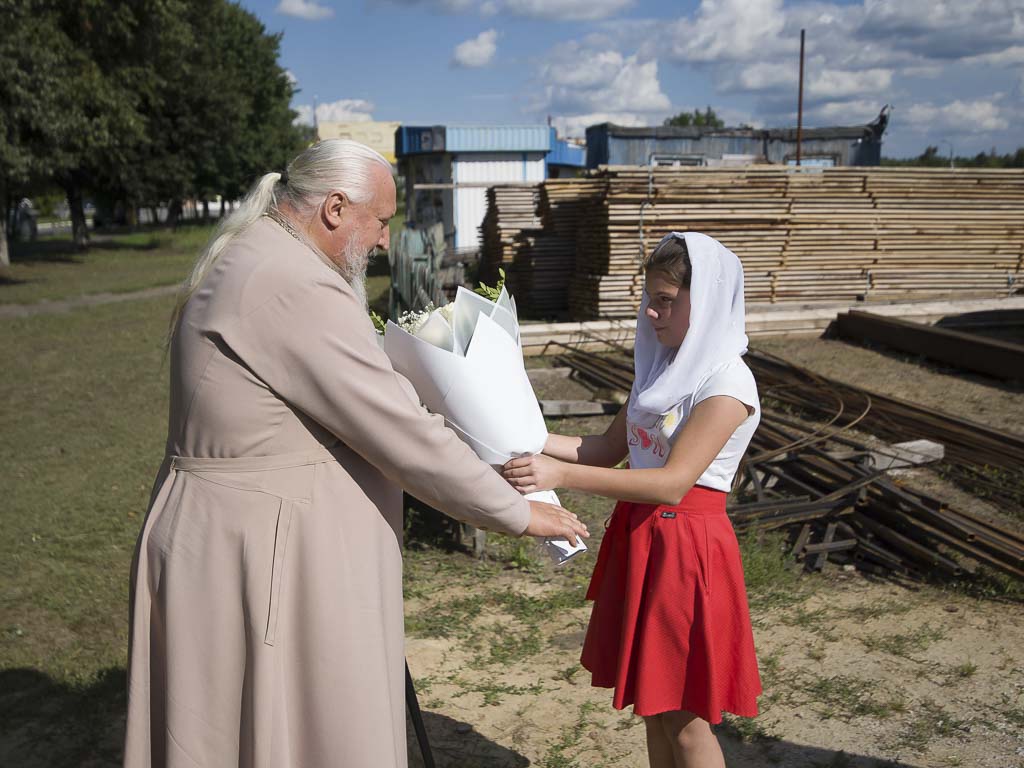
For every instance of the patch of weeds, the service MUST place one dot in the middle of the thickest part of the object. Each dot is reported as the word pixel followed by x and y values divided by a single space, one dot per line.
pixel 770 666
pixel 769 578
pixel 816 653
pixel 918 640
pixel 424 684
pixel 493 691
pixel 961 671
pixel 529 608
pixel 569 739
pixel 522 554
pixel 867 611
pixel 629 722
pixel 747 729
pixel 444 619
pixel 847 697
pixel 511 645
pixel 1013 712
pixel 928 722
pixel 988 584
pixel 814 621
pixel 776 689
pixel 568 673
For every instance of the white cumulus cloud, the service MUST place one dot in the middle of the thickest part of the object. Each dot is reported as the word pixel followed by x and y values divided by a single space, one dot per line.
pixel 728 30
pixel 341 111
pixel 477 51
pixel 958 116
pixel 305 9
pixel 564 10
pixel 575 126
pixel 851 112
pixel 576 78
pixel 841 84
pixel 582 83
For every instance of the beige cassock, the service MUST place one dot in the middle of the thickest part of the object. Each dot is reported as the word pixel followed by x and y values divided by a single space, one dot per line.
pixel 266 605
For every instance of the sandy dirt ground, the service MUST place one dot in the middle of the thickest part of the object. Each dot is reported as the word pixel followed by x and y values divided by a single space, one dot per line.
pixel 857 671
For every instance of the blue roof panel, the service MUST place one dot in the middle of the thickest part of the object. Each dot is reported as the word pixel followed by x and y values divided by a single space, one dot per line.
pixel 414 140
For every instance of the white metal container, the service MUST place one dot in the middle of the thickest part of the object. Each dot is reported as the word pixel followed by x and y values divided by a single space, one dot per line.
pixel 478 171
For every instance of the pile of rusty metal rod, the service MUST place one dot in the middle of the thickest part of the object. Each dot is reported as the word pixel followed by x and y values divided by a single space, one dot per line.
pixel 985 461
pixel 835 504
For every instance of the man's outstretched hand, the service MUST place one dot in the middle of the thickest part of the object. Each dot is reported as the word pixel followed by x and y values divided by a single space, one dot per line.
pixel 550 520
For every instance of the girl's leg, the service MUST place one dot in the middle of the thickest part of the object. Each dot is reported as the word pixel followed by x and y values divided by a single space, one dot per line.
pixel 659 748
pixel 694 745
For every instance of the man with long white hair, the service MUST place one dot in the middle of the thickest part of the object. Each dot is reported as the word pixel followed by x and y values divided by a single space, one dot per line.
pixel 266 599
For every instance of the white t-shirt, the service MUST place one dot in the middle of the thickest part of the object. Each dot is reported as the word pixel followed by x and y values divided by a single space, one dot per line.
pixel 651 436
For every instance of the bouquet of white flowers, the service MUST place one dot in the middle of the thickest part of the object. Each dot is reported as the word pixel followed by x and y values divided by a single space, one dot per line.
pixel 466 363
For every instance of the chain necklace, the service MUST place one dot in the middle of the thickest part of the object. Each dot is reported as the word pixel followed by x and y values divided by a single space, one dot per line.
pixel 282 221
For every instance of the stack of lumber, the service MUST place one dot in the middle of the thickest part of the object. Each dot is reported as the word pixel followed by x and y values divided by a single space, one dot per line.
pixel 510 210
pixel 545 258
pixel 836 234
pixel 531 234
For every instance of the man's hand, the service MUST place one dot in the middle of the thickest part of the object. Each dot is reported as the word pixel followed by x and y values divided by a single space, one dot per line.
pixel 549 520
pixel 534 473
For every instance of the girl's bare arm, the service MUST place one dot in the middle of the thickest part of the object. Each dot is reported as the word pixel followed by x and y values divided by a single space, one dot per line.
pixel 605 450
pixel 702 438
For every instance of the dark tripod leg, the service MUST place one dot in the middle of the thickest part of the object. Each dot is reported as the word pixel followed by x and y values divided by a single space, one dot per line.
pixel 417 720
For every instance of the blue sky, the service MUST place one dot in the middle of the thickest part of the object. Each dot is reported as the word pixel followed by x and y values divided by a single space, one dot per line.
pixel 953 71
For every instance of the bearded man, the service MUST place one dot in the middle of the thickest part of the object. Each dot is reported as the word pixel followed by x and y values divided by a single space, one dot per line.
pixel 266 595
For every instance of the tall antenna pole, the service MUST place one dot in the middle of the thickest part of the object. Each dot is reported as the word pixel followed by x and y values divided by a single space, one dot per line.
pixel 800 102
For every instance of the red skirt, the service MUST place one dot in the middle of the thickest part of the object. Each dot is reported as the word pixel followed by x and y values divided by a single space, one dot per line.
pixel 670 629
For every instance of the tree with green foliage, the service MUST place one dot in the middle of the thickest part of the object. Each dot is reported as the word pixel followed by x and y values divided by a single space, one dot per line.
pixel 140 101
pixel 696 119
pixel 36 127
pixel 933 158
pixel 254 130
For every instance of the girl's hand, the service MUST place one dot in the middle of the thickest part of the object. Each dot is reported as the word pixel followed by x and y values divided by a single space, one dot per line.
pixel 534 473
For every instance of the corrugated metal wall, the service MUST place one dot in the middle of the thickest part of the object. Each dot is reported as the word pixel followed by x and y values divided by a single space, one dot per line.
pixel 497 138
pixel 419 139
pixel 487 168
pixel 606 149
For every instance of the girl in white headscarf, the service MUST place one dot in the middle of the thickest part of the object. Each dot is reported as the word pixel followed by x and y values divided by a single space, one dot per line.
pixel 670 630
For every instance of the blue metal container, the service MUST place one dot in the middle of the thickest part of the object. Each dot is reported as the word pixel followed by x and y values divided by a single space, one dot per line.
pixel 454 139
pixel 566 153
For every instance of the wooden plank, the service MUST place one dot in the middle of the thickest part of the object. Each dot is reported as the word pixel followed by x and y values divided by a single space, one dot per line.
pixel 993 357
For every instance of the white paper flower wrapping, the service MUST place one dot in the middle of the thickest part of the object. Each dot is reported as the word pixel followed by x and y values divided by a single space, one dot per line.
pixel 466 363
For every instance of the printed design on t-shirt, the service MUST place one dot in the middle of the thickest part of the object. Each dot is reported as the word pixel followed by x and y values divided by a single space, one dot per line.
pixel 647 440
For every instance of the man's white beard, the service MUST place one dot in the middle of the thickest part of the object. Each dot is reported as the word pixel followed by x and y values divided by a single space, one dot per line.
pixel 353 268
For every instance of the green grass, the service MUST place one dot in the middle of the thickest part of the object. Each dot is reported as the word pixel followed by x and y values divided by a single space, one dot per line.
pixel 905 643
pixel 844 697
pixel 928 721
pixel 559 753
pixel 767 569
pixel 83 409
pixel 51 269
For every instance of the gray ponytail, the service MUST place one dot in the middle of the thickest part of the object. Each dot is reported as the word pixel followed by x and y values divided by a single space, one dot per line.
pixel 333 164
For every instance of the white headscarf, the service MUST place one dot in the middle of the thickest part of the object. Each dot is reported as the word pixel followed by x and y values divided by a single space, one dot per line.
pixel 665 376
